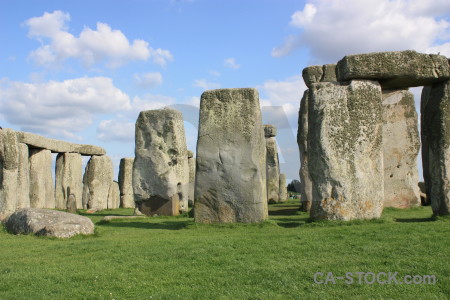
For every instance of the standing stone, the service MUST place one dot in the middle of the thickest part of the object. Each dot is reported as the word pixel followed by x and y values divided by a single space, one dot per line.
pixel 272 164
pixel 23 179
pixel 231 158
pixel 437 131
pixel 97 181
pixel 302 141
pixel 114 195
pixel 426 95
pixel 345 148
pixel 71 204
pixel 126 183
pixel 283 188
pixel 160 169
pixel 68 175
pixel 314 74
pixel 400 148
pixel 191 163
pixel 42 192
pixel 9 170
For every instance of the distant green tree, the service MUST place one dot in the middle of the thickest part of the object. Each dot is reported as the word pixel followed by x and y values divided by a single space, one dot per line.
pixel 294 186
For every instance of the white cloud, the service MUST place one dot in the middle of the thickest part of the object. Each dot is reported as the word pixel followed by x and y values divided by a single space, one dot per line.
pixel 214 73
pixel 60 109
pixel 204 84
pixel 231 63
pixel 91 47
pixel 148 80
pixel 333 29
pixel 116 130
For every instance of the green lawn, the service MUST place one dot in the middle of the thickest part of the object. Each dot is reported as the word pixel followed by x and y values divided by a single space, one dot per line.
pixel 172 257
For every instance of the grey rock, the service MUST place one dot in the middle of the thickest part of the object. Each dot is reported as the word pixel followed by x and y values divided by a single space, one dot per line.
pixel 37 141
pixel 97 180
pixel 190 154
pixel 68 175
pixel 9 163
pixel 160 170
pixel 437 130
pixel 42 191
pixel 395 70
pixel 191 163
pixel 272 170
pixel 231 158
pixel 345 148
pixel 270 131
pixel 47 222
pixel 400 149
pixel 114 195
pixel 23 179
pixel 425 98
pixel 72 204
pixel 314 74
pixel 302 141
pixel 126 183
pixel 283 188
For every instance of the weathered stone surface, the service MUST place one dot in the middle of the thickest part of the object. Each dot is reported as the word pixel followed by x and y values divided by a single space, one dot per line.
pixel 48 223
pixel 395 70
pixel 126 183
pixel 283 188
pixel 314 74
pixel 190 154
pixel 425 97
pixel 400 148
pixel 302 141
pixel 270 131
pixel 72 204
pixel 114 195
pixel 191 163
pixel 231 158
pixel 423 194
pixel 37 141
pixel 97 180
pixel 272 170
pixel 23 179
pixel 68 175
pixel 9 164
pixel 345 148
pixel 160 170
pixel 42 191
pixel 437 130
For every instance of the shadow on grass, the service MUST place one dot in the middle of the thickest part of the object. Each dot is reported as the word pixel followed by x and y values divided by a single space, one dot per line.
pixel 146 225
pixel 414 220
pixel 284 212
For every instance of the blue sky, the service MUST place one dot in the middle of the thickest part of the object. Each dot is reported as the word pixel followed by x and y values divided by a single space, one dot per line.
pixel 82 70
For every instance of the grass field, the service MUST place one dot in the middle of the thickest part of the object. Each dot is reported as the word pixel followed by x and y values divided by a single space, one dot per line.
pixel 174 258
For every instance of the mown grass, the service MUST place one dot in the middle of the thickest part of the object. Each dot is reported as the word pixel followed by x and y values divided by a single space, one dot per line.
pixel 174 258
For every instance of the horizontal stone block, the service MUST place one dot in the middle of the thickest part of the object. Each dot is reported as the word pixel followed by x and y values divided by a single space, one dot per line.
pixel 37 141
pixel 395 70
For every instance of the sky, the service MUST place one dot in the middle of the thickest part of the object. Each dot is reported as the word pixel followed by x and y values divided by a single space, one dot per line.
pixel 81 71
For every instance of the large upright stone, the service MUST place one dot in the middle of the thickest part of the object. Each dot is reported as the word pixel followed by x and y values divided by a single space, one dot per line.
pixel 23 179
pixel 126 183
pixel 191 163
pixel 9 169
pixel 272 164
pixel 424 99
pixel 282 197
pixel 394 70
pixel 160 170
pixel 302 141
pixel 400 148
pixel 42 191
pixel 231 158
pixel 345 148
pixel 68 175
pixel 437 130
pixel 97 180
pixel 114 195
